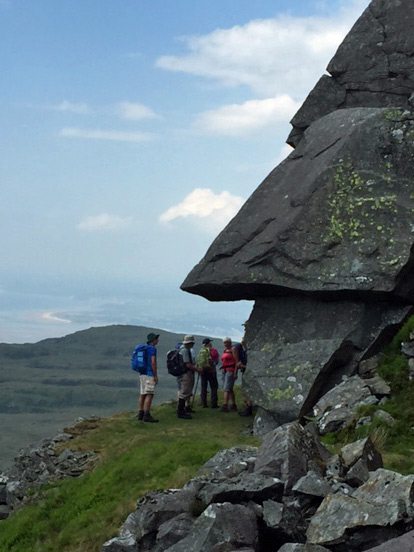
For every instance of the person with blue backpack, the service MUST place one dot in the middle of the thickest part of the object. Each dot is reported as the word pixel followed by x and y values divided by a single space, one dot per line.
pixel 144 361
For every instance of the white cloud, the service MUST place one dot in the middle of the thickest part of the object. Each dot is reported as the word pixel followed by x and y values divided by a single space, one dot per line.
pixel 104 222
pixel 51 317
pixel 203 203
pixel 134 111
pixel 270 56
pixel 80 108
pixel 241 119
pixel 115 135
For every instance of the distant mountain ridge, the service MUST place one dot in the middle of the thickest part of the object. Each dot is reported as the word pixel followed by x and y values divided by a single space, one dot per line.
pixel 48 384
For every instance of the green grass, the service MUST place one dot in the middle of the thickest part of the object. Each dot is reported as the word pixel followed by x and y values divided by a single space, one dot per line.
pixel 79 515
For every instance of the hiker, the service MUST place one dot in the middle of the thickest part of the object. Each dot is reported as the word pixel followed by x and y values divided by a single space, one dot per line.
pixel 186 381
pixel 148 380
pixel 248 409
pixel 230 363
pixel 208 375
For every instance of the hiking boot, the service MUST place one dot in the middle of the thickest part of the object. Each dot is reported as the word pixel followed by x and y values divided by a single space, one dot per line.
pixel 184 416
pixel 248 411
pixel 233 407
pixel 189 410
pixel 224 408
pixel 214 406
pixel 140 415
pixel 182 410
pixel 148 418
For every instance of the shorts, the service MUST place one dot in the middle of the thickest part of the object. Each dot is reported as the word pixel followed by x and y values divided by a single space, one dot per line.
pixel 228 381
pixel 147 385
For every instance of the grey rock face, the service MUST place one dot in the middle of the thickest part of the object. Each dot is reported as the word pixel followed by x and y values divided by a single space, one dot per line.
pixel 378 510
pixel 373 66
pixel 299 348
pixel 288 453
pixel 333 219
pixel 221 527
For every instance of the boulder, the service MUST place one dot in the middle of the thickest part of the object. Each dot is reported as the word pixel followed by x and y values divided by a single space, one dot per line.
pixel 339 515
pixel 372 67
pixel 336 409
pixel 288 453
pixel 153 510
pixel 361 450
pixel 172 531
pixel 283 522
pixel 230 462
pixel 221 528
pixel 243 488
pixel 378 510
pixel 312 484
pixel 333 219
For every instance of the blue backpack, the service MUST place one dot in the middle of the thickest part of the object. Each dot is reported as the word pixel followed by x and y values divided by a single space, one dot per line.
pixel 242 353
pixel 139 361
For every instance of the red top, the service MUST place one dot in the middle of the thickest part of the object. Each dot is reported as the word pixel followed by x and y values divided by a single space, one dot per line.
pixel 228 362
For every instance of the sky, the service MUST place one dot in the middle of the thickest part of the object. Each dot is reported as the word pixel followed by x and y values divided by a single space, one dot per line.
pixel 131 133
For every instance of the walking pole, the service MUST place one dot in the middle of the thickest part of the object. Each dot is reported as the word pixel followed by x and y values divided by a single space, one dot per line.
pixel 195 392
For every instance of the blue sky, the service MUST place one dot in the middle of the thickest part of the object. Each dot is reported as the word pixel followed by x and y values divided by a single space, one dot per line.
pixel 131 133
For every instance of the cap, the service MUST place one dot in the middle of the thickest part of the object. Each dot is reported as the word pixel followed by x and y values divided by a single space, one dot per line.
pixel 206 341
pixel 152 336
pixel 227 340
pixel 188 339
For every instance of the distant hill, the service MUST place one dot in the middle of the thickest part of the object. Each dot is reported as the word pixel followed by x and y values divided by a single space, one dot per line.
pixel 48 384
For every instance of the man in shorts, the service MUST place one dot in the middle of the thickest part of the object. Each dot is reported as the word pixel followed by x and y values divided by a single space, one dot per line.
pixel 148 381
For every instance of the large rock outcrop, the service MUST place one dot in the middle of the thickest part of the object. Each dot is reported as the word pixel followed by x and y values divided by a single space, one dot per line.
pixel 334 219
pixel 373 67
pixel 325 244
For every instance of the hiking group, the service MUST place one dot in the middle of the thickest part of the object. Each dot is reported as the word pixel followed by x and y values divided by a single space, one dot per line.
pixel 184 365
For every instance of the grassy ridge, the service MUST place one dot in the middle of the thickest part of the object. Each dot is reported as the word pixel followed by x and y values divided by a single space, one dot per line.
pixel 80 515
pixel 50 383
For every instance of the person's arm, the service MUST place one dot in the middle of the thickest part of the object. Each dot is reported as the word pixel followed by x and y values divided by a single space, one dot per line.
pixel 188 362
pixel 236 357
pixel 154 367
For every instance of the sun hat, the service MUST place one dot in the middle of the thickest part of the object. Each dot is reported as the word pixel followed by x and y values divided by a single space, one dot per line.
pixel 188 339
pixel 227 340
pixel 152 336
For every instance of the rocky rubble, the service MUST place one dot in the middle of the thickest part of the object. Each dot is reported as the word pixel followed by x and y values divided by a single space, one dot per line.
pixel 38 464
pixel 290 494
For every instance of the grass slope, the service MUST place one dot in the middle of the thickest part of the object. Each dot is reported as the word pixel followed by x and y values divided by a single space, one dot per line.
pixel 80 515
pixel 50 383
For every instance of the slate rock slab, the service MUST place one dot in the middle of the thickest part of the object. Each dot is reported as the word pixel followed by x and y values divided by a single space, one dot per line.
pixel 335 217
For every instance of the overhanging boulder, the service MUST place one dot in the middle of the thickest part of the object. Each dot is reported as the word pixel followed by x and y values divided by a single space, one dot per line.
pixel 335 219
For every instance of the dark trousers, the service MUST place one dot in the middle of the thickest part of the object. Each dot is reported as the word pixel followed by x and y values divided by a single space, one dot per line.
pixel 209 378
